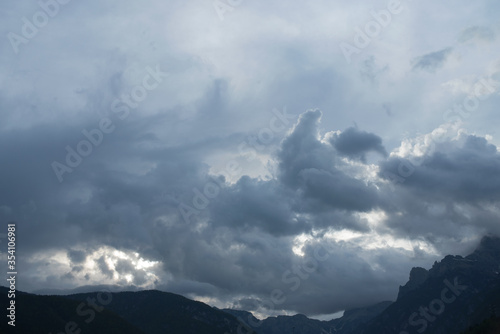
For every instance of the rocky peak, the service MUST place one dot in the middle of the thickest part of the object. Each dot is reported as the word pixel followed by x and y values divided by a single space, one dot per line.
pixel 418 276
pixel 488 249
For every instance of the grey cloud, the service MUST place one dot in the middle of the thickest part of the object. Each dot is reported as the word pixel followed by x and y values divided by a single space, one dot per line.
pixel 247 230
pixel 247 304
pixel 311 165
pixel 388 109
pixel 77 269
pixel 337 190
pixel 309 183
pixel 331 270
pixel 251 204
pixel 104 267
pixel 477 33
pixel 466 173
pixel 449 190
pixel 124 266
pixel 302 149
pixel 239 246
pixel 68 276
pixel 76 256
pixel 432 61
pixel 371 70
pixel 355 143
pixel 263 267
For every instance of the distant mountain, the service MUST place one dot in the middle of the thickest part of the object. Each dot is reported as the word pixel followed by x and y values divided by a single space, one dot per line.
pixel 348 323
pixel 53 314
pixel 282 324
pixel 143 312
pixel 353 319
pixel 156 312
pixel 457 295
pixel 453 295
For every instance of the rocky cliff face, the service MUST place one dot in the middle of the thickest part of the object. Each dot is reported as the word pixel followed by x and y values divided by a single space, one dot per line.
pixel 417 277
pixel 454 294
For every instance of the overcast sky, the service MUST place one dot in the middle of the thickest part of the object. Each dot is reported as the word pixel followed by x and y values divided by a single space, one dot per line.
pixel 276 156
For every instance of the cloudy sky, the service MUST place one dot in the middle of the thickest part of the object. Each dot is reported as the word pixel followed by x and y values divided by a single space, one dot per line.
pixel 276 156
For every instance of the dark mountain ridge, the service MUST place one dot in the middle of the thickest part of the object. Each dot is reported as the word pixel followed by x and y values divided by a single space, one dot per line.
pixel 142 312
pixel 299 323
pixel 454 294
pixel 457 294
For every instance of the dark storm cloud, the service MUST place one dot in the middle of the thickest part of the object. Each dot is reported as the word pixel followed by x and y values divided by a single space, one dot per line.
pixel 302 149
pixel 466 173
pixel 104 267
pixel 224 80
pixel 307 275
pixel 450 190
pixel 77 256
pixel 101 195
pixel 230 261
pixel 124 266
pixel 247 230
pixel 307 163
pixel 432 61
pixel 337 190
pixel 108 194
pixel 252 204
pixel 355 143
pixel 260 265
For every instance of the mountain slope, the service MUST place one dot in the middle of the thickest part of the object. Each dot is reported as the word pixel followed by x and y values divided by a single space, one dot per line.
pixel 454 294
pixel 143 312
pixel 161 312
pixel 488 326
pixel 352 320
pixel 348 323
pixel 54 314
pixel 457 294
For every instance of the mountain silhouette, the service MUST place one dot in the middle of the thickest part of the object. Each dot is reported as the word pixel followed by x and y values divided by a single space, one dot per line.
pixel 457 295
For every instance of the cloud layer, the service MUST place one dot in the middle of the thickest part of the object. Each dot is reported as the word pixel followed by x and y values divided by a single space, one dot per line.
pixel 247 165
